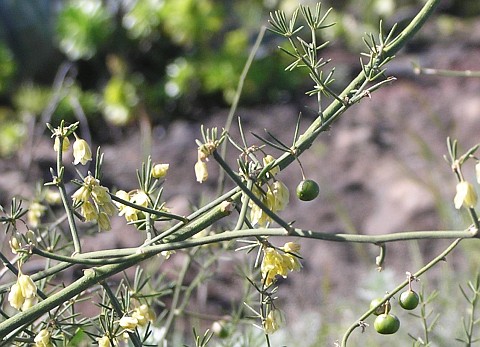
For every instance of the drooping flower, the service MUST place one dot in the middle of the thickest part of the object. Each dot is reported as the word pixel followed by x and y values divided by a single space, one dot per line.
pixel 159 171
pixel 274 320
pixel 88 211
pixel 465 196
pixel 42 339
pixel 139 197
pixel 201 171
pixel 15 297
pixel 104 222
pixel 276 263
pixel 278 196
pixel 81 152
pixel 23 293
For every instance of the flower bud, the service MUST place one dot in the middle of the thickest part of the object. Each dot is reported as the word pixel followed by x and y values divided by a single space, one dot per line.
pixel 81 152
pixel 159 171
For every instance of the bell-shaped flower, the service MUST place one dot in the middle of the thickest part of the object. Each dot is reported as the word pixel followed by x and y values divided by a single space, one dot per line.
pixel 81 152
pixel 274 320
pixel 201 171
pixel 104 222
pixel 27 286
pixel 88 211
pixel 15 297
pixel 465 196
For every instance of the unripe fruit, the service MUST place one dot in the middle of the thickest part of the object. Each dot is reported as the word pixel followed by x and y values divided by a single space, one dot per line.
pixel 386 324
pixel 409 300
pixel 307 190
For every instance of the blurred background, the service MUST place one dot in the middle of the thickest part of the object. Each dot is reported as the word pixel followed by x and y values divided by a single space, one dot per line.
pixel 142 75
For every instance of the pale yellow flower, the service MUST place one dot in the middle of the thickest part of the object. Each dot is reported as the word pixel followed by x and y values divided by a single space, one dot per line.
pixel 128 323
pixel 88 211
pixel 140 198
pixel 258 216
pixel 104 222
pixel 465 196
pixel 143 314
pixel 23 293
pixel 35 213
pixel 15 297
pixel 81 152
pixel 277 196
pixel 275 319
pixel 477 171
pixel 26 284
pixel 275 263
pixel 291 247
pixel 104 341
pixel 82 194
pixel 42 339
pixel 159 171
pixel 53 197
pixel 269 159
pixel 65 144
pixel 201 171
pixel 15 242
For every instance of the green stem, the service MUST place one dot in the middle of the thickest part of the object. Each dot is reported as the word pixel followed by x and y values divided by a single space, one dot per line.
pixel 176 296
pixel 65 200
pixel 440 257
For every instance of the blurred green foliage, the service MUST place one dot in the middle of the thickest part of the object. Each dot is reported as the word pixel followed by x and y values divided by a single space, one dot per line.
pixel 162 58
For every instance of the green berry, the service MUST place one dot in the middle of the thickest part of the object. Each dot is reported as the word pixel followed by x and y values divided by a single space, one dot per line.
pixel 386 324
pixel 409 300
pixel 307 190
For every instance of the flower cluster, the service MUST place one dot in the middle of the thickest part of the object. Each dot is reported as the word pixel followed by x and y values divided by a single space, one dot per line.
pixel 275 198
pixel 23 293
pixel 137 197
pixel 279 263
pixel 140 317
pixel 96 203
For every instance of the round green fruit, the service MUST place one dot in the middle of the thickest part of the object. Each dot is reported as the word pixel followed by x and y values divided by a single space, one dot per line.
pixel 386 324
pixel 307 190
pixel 409 300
